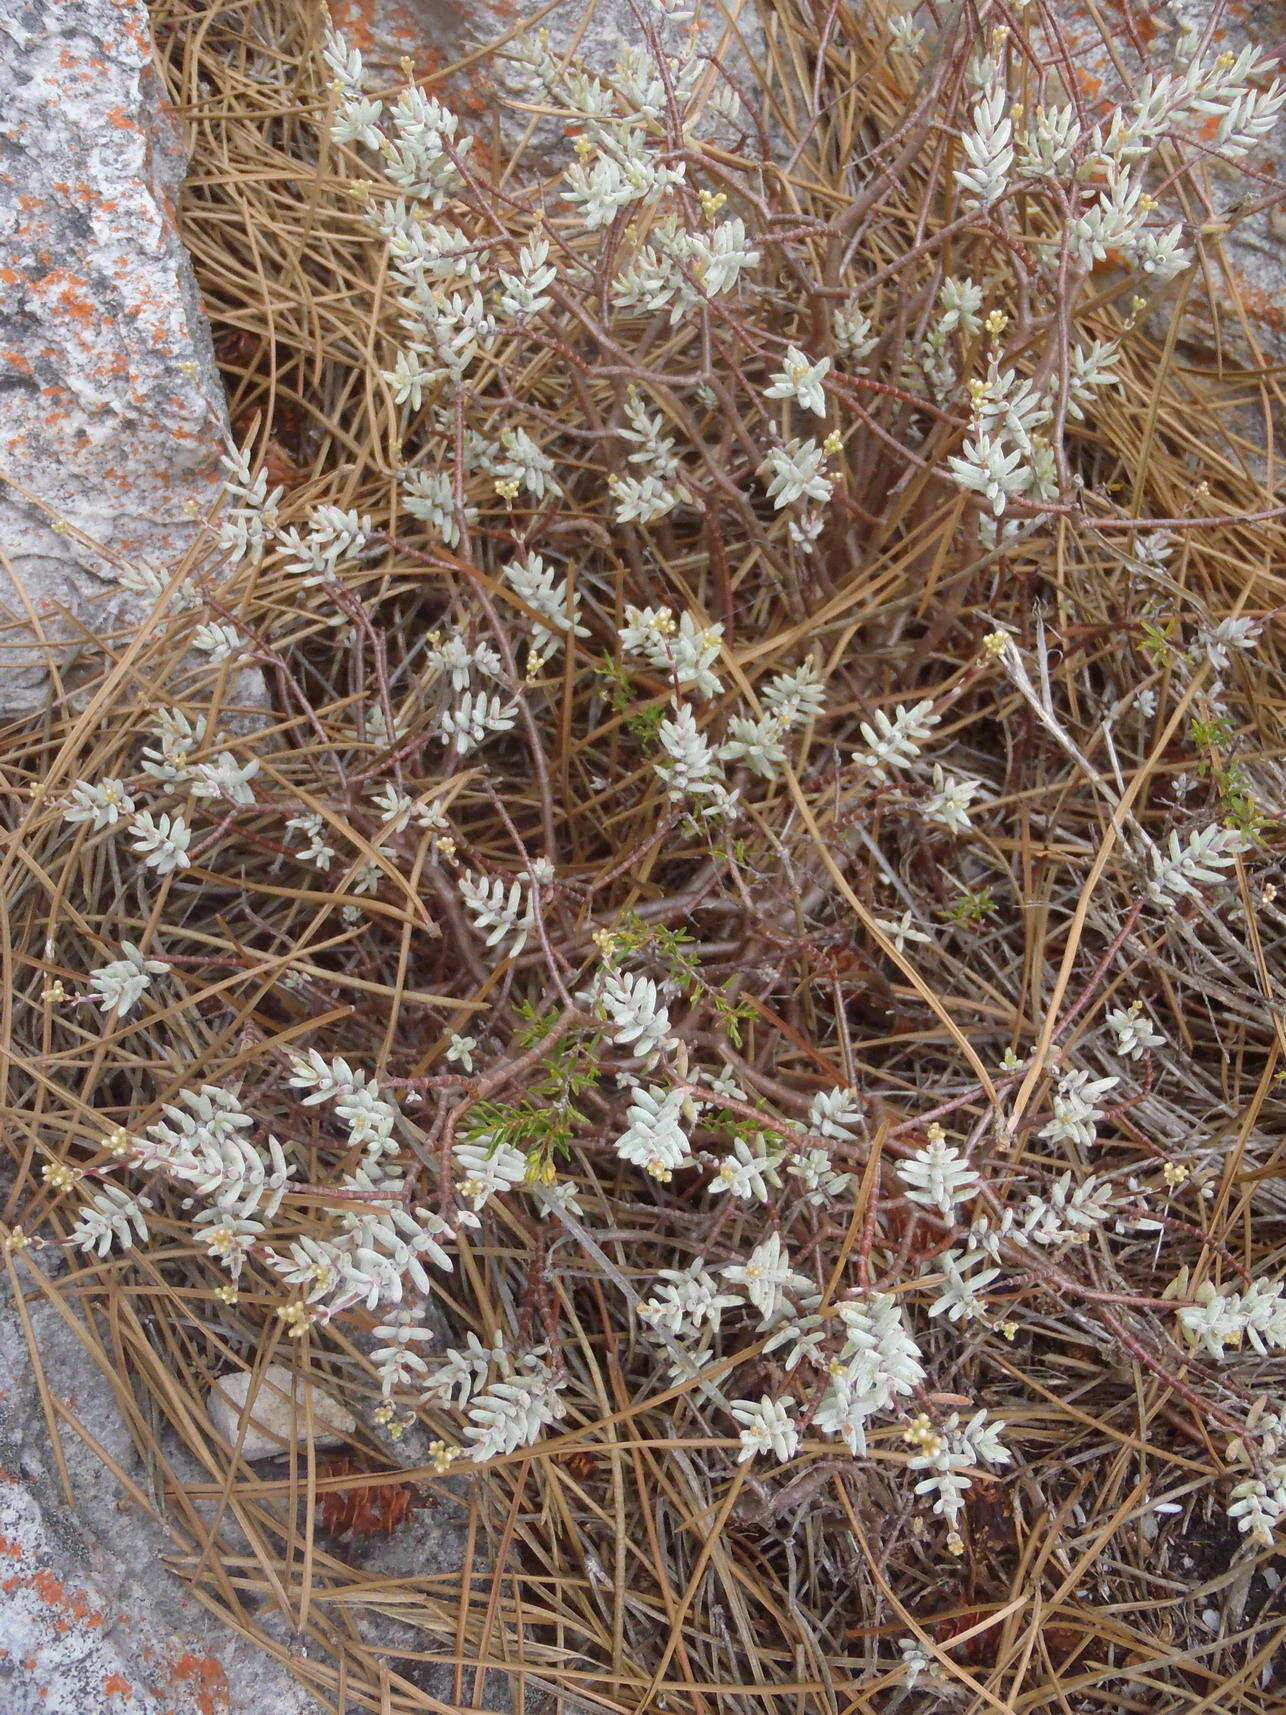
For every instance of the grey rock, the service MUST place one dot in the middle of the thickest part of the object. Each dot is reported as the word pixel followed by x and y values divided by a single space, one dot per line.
pixel 434 34
pixel 92 1619
pixel 1245 253
pixel 88 1595
pixel 54 1655
pixel 111 409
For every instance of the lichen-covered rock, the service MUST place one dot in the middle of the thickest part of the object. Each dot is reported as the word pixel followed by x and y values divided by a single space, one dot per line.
pixel 435 34
pixel 56 1655
pixel 111 410
pixel 1243 253
pixel 93 1620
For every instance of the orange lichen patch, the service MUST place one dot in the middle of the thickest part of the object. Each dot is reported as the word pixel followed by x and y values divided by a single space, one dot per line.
pixel 121 121
pixel 116 1685
pixel 1146 29
pixel 1263 306
pixel 475 96
pixel 1089 85
pixel 71 295
pixel 71 1604
pixel 205 1677
pixel 140 38
pixel 355 18
pixel 55 1593
pixel 389 29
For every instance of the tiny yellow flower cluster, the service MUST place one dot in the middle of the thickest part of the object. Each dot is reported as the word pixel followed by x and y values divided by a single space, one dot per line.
pixel 220 1241
pixel 393 1422
pixel 922 1433
pixel 298 1317
pixel 607 941
pixel 442 1457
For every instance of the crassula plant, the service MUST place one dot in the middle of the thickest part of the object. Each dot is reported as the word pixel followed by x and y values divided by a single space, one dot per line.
pixel 705 846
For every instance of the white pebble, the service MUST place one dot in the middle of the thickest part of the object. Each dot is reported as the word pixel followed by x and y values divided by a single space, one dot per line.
pixel 279 1414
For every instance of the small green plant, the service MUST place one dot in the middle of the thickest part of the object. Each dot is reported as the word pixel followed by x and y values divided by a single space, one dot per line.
pixel 973 906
